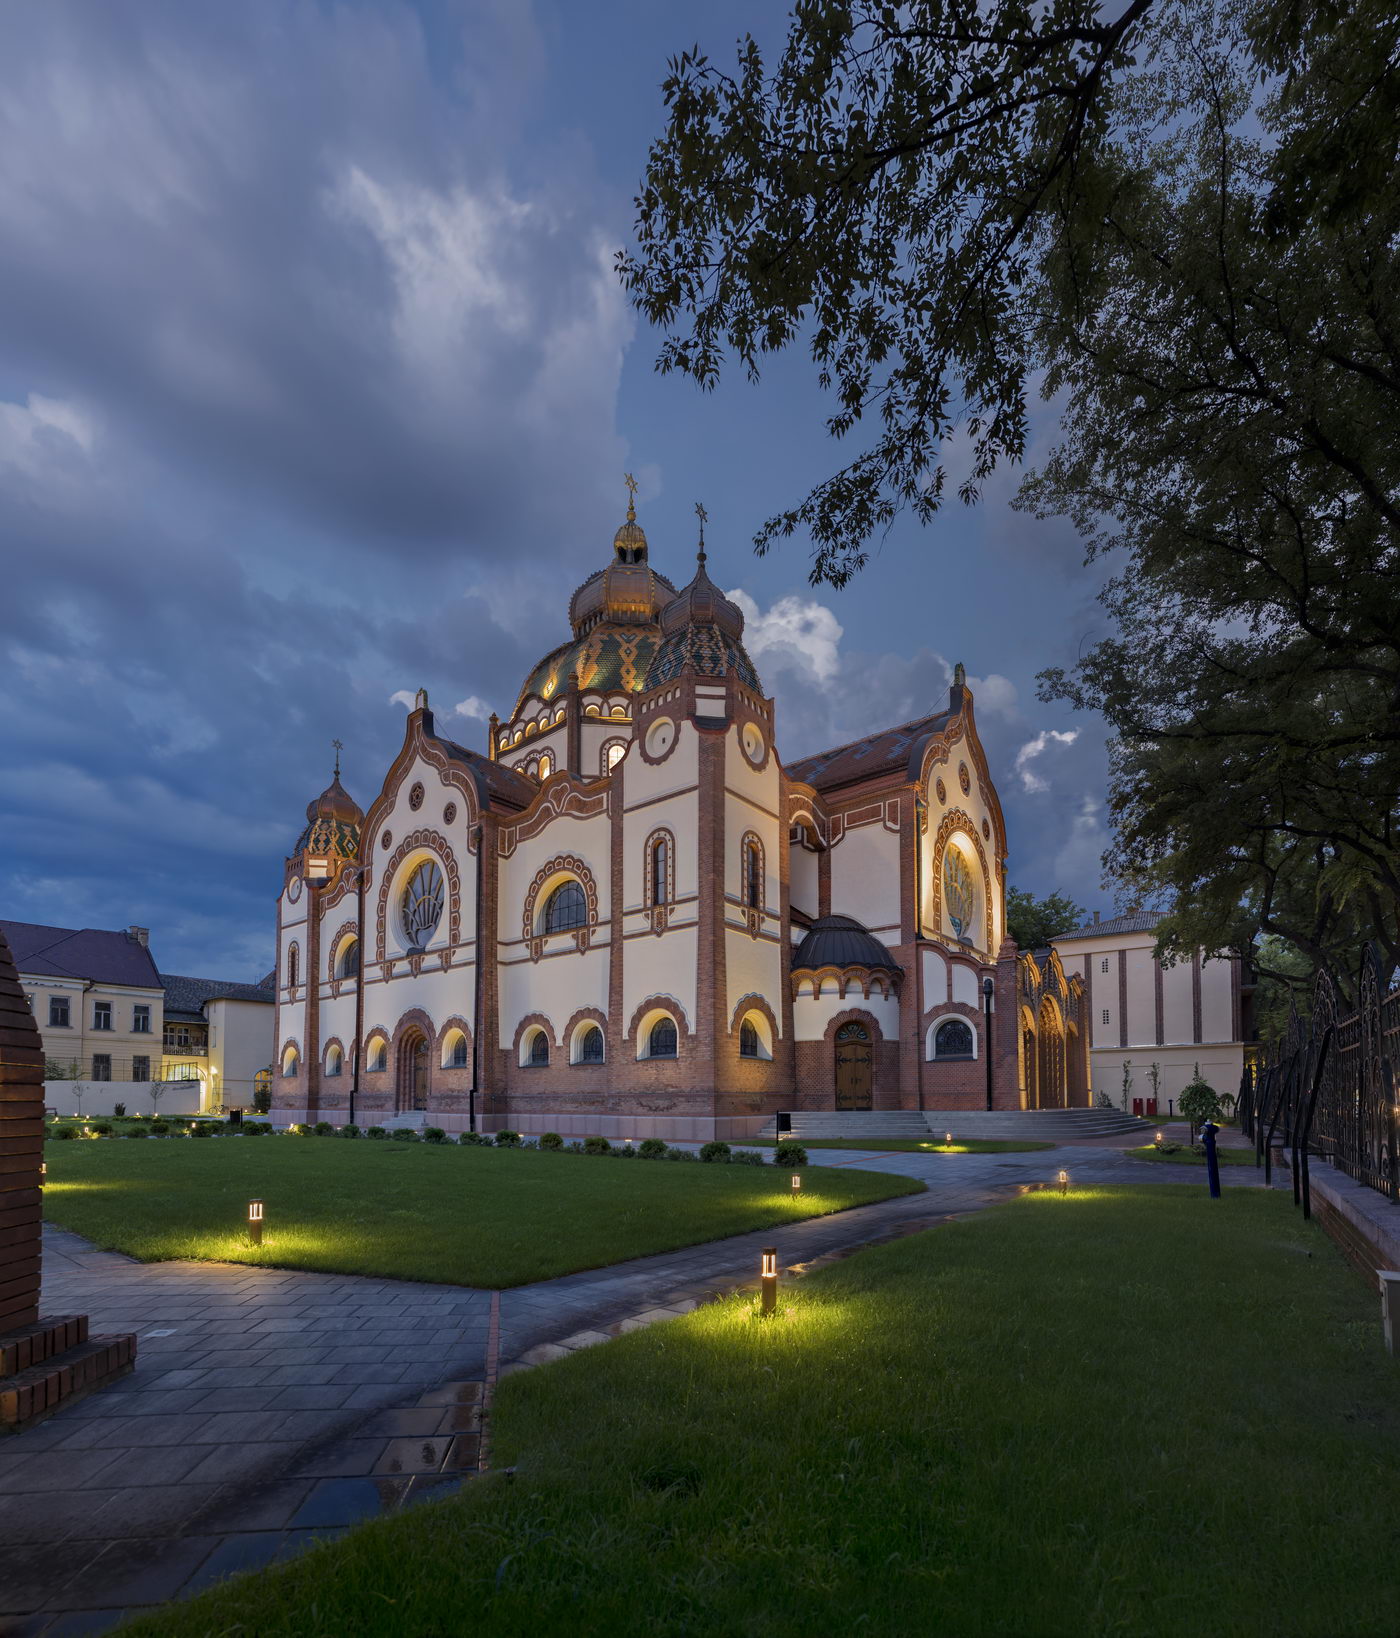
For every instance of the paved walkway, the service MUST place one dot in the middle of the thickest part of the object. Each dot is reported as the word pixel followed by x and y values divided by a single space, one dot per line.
pixel 271 1407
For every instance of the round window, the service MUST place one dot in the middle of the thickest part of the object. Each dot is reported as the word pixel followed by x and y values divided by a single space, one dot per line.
pixel 661 736
pixel 422 903
pixel 753 742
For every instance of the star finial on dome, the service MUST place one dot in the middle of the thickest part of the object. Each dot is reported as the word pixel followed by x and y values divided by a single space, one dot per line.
pixel 631 483
pixel 704 517
pixel 339 747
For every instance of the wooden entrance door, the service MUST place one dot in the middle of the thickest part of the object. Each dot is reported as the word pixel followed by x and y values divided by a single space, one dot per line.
pixel 855 1067
pixel 418 1075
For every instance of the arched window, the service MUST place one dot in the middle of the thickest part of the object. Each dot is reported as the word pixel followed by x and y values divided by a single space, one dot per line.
pixel 454 1054
pixel 422 903
pixel 565 908
pixel 660 871
pixel 292 954
pixel 291 1061
pixel 348 966
pixel 333 1061
pixel 378 1056
pixel 590 1045
pixel 748 1040
pixel 953 1040
pixel 661 1042
pixel 753 874
pixel 546 766
pixel 613 755
pixel 539 1048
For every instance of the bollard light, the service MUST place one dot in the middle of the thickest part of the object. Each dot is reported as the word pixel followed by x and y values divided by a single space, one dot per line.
pixel 797 1182
pixel 769 1301
pixel 1159 1137
pixel 947 1137
pixel 255 1221
pixel 1064 1182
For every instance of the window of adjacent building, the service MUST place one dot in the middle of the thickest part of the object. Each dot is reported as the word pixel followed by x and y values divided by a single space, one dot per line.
pixel 566 908
pixel 140 1023
pixel 58 1012
pixel 590 1046
pixel 140 1068
pixel 1105 1015
pixel 101 1016
pixel 953 1040
pixel 661 1042
pixel 539 1048
pixel 1103 965
pixel 102 1066
pixel 748 1040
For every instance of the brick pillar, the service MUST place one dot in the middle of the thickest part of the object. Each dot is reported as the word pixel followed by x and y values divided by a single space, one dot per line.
pixel 1006 1030
pixel 43 1362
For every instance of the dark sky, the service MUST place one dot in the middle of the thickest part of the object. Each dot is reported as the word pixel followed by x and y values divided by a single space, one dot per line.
pixel 316 386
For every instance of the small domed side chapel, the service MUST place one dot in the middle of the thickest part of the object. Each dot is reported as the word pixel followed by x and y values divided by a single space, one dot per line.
pixel 631 918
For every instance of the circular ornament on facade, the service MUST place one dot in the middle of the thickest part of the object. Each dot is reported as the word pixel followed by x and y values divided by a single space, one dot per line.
pixel 415 798
pixel 941 789
pixel 294 889
pixel 964 778
pixel 661 736
pixel 986 831
pixel 449 813
pixel 386 838
pixel 753 742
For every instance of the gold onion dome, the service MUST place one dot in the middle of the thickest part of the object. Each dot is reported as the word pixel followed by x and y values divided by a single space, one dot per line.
pixel 333 821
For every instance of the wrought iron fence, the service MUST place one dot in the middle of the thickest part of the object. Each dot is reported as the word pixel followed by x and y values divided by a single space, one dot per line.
pixel 1329 1087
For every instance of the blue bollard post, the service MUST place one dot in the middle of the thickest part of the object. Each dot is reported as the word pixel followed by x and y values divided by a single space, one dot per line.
pixel 1208 1131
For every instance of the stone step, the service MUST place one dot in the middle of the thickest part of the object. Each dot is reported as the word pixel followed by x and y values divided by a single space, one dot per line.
pixel 1048 1125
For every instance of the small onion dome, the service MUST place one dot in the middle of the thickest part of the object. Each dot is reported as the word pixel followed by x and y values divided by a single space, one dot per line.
pixel 702 629
pixel 628 591
pixel 333 823
pixel 841 941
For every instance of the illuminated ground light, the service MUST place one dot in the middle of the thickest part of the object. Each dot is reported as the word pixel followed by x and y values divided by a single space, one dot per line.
pixel 255 1221
pixel 797 1182
pixel 769 1282
pixel 1064 1182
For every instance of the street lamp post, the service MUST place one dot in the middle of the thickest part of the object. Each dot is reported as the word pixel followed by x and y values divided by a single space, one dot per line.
pixel 988 989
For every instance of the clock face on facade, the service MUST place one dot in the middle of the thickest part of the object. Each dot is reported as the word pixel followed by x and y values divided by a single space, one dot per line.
pixel 294 889
pixel 959 892
pixel 754 746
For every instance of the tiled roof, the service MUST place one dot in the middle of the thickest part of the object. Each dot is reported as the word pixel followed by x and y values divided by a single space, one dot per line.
pixel 1145 921
pixel 841 941
pixel 185 997
pixel 81 952
pixel 890 751
pixel 494 781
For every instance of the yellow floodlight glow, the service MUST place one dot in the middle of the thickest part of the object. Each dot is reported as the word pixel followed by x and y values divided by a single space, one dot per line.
pixel 1064 1182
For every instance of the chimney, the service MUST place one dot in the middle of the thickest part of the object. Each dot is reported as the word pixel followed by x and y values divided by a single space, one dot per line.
pixel 1096 915
pixel 142 935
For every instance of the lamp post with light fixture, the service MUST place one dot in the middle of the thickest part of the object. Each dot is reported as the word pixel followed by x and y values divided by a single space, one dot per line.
pixel 768 1301
pixel 988 988
pixel 1064 1182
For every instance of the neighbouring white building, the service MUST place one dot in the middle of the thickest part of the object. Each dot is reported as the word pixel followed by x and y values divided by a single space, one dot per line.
pixel 631 917
pixel 1142 1014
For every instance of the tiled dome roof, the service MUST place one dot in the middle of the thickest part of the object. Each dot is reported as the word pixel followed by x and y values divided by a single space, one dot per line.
pixel 333 823
pixel 841 941
pixel 702 629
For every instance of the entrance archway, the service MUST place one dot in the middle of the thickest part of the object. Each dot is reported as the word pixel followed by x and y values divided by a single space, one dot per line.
pixel 412 1091
pixel 1050 1079
pixel 855 1067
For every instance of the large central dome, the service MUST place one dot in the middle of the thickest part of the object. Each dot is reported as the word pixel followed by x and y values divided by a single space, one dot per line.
pixel 615 616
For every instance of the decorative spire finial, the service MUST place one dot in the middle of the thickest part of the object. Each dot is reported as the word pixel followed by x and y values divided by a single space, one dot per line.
pixel 959 675
pixel 631 483
pixel 338 749
pixel 704 516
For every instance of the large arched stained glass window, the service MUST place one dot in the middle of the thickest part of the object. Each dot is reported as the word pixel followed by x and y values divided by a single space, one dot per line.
pixel 422 903
pixel 959 892
pixel 661 1042
pixel 565 908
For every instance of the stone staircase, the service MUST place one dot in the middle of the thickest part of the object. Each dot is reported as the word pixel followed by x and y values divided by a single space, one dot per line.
pixel 1039 1125
pixel 411 1120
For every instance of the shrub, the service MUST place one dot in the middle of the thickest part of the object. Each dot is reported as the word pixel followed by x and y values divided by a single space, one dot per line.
pixel 715 1150
pixel 573 1148
pixel 434 1134
pixel 103 1128
pixel 507 1140
pixel 596 1146
pixel 199 1129
pixel 746 1157
pixel 62 1132
pixel 118 1108
pixel 551 1140
pixel 624 1151
pixel 350 1130
pixel 681 1154
pixel 475 1140
pixel 1199 1101
pixel 405 1134
pixel 262 1100
pixel 789 1154
pixel 651 1148
pixel 136 1132
pixel 323 1128
pixel 1167 1147
pixel 158 1128
pixel 376 1132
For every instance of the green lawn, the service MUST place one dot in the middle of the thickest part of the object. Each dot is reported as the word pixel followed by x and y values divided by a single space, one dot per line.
pixel 1184 1156
pixel 1121 1411
pixel 484 1217
pixel 925 1146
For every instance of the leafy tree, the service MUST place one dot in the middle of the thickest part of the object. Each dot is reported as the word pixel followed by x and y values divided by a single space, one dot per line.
pixel 1284 983
pixel 1199 1100
pixel 1033 922
pixel 1181 218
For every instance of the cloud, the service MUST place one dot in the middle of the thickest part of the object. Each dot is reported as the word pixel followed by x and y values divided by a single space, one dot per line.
pixel 473 707
pixel 797 633
pixel 1030 779
pixel 1079 858
pixel 404 698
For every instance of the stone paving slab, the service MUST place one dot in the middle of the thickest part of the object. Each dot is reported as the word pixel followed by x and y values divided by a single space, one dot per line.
pixel 271 1407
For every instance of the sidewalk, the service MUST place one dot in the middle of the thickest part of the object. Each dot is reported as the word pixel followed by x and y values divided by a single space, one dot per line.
pixel 271 1407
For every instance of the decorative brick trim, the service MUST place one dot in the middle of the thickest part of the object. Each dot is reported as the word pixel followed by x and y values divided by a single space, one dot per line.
pixel 657 1003
pixel 562 864
pixel 563 797
pixel 530 1022
pixel 584 1015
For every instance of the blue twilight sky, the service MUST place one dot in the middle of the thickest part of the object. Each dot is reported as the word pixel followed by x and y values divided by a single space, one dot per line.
pixel 316 386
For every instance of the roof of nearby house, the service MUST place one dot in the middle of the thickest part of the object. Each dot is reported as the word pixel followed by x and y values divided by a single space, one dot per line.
pixel 81 952
pixel 891 751
pixel 185 997
pixel 1145 921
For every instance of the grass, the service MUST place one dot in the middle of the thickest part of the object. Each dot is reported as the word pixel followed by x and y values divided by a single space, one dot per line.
pixel 1185 1157
pixel 1122 1411
pixel 960 1146
pixel 483 1217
